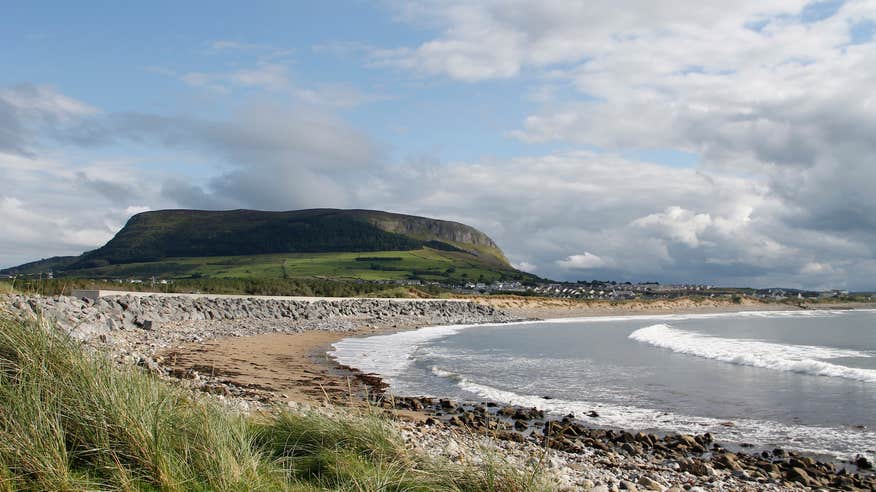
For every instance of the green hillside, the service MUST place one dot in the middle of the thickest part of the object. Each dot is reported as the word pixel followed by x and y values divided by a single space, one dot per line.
pixel 319 243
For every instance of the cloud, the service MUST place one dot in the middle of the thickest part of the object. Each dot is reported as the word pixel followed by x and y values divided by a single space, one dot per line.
pixel 774 100
pixel 270 76
pixel 339 96
pixel 29 234
pixel 585 261
pixel 525 266
pixel 500 39
pixel 28 111
pixel 676 224
pixel 567 213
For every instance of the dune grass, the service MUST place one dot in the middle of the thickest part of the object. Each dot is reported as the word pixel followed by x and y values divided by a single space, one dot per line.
pixel 70 420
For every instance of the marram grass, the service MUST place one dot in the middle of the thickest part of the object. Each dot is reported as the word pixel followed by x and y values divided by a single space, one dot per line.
pixel 71 420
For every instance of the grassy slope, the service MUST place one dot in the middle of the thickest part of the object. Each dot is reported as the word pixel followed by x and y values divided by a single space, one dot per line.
pixel 426 263
pixel 73 421
pixel 320 243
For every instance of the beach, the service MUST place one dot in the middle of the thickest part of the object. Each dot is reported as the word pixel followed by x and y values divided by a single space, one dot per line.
pixel 257 354
pixel 297 365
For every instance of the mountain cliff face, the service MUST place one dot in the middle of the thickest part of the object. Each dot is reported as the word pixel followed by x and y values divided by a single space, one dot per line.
pixel 152 236
pixel 428 228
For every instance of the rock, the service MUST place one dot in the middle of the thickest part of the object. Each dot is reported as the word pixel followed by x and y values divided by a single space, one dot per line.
pixel 697 467
pixel 863 463
pixel 727 461
pixel 799 475
pixel 447 404
pixel 598 488
pixel 741 474
pixel 650 483
pixel 627 485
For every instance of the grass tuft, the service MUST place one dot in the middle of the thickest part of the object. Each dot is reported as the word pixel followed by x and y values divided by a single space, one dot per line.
pixel 71 420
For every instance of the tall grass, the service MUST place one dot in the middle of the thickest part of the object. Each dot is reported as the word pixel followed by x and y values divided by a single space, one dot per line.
pixel 70 420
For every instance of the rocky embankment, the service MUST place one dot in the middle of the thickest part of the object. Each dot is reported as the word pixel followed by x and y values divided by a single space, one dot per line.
pixel 136 328
pixel 599 459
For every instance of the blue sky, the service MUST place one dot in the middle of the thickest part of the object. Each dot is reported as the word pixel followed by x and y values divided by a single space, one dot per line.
pixel 120 57
pixel 677 141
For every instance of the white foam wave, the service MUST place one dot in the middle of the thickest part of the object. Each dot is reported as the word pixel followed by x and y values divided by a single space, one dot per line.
pixel 844 442
pixel 389 355
pixel 802 359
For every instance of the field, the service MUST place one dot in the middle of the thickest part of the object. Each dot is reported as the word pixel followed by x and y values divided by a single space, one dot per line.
pixel 422 264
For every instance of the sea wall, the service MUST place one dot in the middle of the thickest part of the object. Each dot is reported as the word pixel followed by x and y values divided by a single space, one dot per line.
pixel 137 327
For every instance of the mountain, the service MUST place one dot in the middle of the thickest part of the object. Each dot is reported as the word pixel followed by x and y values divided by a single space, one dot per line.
pixel 177 243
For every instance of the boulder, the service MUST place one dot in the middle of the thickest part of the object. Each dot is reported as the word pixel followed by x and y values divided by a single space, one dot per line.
pixel 799 475
pixel 649 483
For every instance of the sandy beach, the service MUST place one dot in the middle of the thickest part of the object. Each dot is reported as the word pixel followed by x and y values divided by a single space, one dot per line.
pixel 256 355
pixel 295 367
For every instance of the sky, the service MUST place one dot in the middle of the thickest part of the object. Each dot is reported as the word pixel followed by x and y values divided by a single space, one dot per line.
pixel 676 141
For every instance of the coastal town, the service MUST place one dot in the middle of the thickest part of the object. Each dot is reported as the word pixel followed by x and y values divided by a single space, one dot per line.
pixel 582 289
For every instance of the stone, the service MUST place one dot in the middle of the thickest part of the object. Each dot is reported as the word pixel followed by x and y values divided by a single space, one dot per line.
pixel 650 483
pixel 698 468
pixel 727 461
pixel 629 448
pixel 799 475
pixel 627 485
pixel 863 463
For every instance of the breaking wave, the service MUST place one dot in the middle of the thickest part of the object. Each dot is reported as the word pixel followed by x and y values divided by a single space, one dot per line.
pixel 846 442
pixel 801 359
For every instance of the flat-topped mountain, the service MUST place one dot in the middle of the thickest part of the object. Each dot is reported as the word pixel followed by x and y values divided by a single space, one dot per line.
pixel 169 242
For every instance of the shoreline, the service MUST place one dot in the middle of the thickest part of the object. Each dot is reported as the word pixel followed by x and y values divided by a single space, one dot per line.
pixel 574 440
pixel 255 354
pixel 332 381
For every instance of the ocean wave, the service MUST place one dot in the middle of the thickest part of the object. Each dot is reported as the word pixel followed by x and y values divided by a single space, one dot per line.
pixel 390 355
pixel 802 359
pixel 832 441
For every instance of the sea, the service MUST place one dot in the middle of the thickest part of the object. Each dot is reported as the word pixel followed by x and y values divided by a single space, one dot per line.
pixel 800 380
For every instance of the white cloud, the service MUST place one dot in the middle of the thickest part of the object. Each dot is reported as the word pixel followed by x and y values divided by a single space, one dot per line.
pixel 340 96
pixel 770 96
pixel 525 266
pixel 45 101
pixel 27 112
pixel 499 39
pixel 270 76
pixel 677 224
pixel 586 261
pixel 778 109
